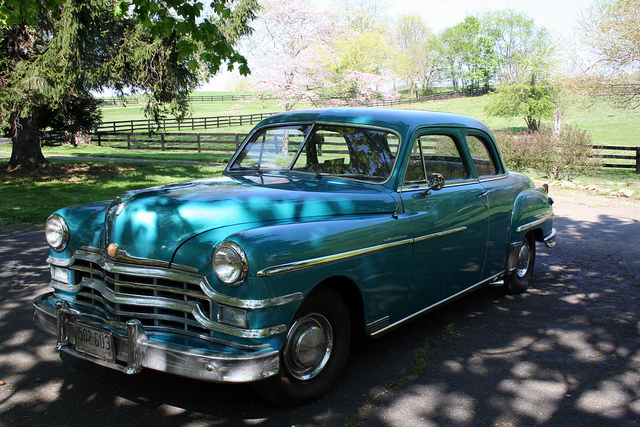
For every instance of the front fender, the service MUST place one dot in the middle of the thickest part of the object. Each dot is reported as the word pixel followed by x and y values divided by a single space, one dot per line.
pixel 86 227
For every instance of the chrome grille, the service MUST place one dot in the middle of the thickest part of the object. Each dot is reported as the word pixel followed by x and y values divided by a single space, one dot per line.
pixel 161 304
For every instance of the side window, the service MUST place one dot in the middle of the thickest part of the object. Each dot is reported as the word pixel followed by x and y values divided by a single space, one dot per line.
pixel 435 154
pixel 482 159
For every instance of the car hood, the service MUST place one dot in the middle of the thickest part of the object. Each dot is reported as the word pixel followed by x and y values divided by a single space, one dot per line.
pixel 153 223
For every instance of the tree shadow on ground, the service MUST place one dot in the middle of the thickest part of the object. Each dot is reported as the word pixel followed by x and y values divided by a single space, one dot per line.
pixel 565 353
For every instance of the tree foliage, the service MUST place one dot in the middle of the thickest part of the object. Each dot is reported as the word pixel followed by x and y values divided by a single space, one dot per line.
pixel 412 39
pixel 612 30
pixel 292 39
pixel 531 102
pixel 470 54
pixel 304 56
pixel 525 51
pixel 55 53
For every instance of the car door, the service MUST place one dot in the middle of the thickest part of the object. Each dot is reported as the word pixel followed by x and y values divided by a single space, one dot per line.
pixel 449 226
pixel 495 181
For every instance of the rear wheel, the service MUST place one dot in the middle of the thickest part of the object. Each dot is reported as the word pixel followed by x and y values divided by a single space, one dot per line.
pixel 314 352
pixel 518 281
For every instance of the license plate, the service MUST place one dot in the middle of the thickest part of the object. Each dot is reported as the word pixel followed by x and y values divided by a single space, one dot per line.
pixel 94 342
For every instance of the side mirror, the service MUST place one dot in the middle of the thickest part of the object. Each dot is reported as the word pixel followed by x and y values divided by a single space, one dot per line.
pixel 435 183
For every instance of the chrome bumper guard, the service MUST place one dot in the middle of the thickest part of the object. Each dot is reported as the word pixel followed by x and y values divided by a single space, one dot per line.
pixel 514 249
pixel 135 350
pixel 550 239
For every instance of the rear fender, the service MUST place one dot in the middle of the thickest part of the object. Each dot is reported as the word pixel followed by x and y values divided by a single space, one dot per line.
pixel 532 212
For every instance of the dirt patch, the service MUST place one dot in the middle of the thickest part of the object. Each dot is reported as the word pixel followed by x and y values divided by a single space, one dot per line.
pixel 576 200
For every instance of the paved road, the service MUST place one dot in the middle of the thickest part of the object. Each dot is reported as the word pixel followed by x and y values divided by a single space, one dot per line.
pixel 565 353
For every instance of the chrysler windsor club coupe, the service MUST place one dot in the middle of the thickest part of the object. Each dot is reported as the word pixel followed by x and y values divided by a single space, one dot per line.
pixel 325 223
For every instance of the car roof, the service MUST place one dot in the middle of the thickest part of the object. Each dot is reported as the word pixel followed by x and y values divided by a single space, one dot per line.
pixel 399 120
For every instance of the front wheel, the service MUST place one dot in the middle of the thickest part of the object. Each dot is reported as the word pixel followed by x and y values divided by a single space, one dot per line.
pixel 314 352
pixel 518 281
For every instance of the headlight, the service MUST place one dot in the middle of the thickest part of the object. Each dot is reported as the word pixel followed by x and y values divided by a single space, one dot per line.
pixel 230 263
pixel 57 232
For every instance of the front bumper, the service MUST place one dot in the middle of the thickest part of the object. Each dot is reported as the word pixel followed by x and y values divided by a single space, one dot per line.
pixel 135 349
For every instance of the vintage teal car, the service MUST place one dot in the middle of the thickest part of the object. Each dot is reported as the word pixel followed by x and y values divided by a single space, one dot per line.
pixel 324 224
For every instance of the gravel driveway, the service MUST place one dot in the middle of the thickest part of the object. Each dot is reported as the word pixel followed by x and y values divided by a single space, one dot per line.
pixel 565 353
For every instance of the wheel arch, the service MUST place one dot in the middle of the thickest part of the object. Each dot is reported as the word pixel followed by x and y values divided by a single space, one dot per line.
pixel 352 297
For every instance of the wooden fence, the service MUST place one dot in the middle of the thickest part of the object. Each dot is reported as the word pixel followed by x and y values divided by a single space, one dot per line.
pixel 194 123
pixel 434 97
pixel 130 99
pixel 229 142
pixel 131 126
pixel 219 142
pixel 605 152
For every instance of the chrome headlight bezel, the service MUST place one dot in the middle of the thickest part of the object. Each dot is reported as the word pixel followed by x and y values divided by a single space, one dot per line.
pixel 230 263
pixel 56 232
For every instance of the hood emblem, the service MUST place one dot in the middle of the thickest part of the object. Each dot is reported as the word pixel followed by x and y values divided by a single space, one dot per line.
pixel 112 250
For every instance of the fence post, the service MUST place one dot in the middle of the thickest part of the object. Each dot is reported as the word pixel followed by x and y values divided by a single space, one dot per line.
pixel 237 140
pixel 638 160
pixel 128 141
pixel 99 139
pixel 198 139
pixel 162 141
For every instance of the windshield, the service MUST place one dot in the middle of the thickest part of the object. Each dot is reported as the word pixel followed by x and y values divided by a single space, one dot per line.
pixel 346 151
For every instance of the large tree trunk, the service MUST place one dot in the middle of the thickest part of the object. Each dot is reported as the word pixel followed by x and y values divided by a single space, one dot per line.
pixel 26 153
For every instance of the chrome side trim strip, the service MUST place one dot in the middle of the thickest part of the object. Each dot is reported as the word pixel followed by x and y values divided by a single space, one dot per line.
pixel 487 178
pixel 535 223
pixel 379 324
pixel 313 262
pixel 438 304
pixel 300 265
pixel 440 234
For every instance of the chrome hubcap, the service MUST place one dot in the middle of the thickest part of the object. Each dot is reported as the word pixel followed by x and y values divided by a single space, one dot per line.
pixel 523 259
pixel 308 346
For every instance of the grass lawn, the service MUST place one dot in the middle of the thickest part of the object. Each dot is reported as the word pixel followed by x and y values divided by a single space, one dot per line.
pixel 28 199
pixel 607 124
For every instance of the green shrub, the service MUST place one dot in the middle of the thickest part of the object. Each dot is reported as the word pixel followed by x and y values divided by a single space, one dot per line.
pixel 556 156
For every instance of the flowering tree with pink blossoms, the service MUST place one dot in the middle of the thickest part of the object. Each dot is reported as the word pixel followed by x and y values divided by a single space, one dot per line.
pixel 355 88
pixel 294 52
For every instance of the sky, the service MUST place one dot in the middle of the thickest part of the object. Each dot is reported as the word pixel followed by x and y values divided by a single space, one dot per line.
pixel 558 16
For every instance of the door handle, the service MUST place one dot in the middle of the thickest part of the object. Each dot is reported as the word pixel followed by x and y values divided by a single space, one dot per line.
pixel 484 193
